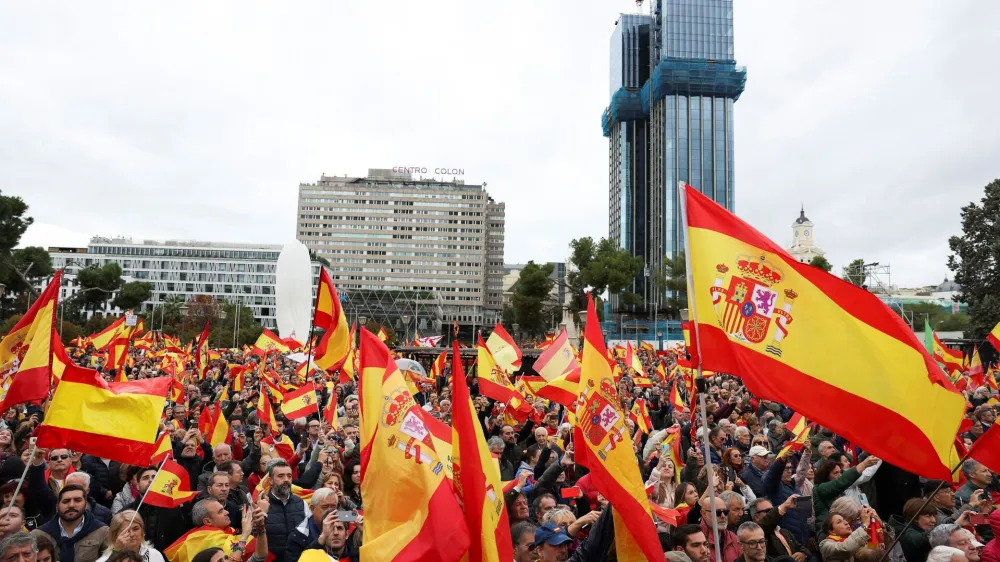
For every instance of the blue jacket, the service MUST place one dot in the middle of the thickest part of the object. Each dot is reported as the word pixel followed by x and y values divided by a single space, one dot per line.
pixel 752 476
pixel 778 491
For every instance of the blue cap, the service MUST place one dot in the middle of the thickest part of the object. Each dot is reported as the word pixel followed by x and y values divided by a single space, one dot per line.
pixel 552 534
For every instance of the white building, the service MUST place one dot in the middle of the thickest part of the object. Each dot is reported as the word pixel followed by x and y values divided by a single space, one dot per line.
pixel 803 246
pixel 435 247
pixel 231 272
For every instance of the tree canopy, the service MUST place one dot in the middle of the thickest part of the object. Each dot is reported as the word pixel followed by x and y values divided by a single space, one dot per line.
pixel 854 272
pixel 531 297
pixel 975 261
pixel 602 267
pixel 822 263
pixel 99 283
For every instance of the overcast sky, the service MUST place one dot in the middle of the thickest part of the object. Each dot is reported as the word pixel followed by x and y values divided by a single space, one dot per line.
pixel 198 120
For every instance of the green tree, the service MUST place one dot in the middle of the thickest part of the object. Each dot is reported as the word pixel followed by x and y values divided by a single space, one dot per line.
pixel 670 283
pixel 9 323
pixel 822 263
pixel 922 312
pixel 133 294
pixel 975 261
pixel 68 331
pixel 952 323
pixel 99 283
pixel 854 272
pixel 13 223
pixel 531 295
pixel 602 267
pixel 27 266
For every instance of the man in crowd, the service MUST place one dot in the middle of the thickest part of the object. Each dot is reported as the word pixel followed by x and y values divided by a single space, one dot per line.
pixel 78 534
pixel 220 454
pixel 552 543
pixel 523 535
pixel 322 504
pixel 19 547
pixel 978 477
pixel 285 510
pixel 752 541
pixel 753 474
pixel 11 520
pixel 956 537
pixel 691 540
pixel 780 542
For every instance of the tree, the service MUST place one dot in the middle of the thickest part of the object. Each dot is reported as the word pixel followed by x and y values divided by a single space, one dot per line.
pixel 531 294
pixel 854 272
pixel 13 223
pixel 99 283
pixel 26 267
pixel 822 263
pixel 922 312
pixel 670 283
pixel 602 267
pixel 133 294
pixel 975 261
pixel 68 331
pixel 952 323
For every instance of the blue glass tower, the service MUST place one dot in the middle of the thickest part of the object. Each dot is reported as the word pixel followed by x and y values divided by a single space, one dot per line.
pixel 670 120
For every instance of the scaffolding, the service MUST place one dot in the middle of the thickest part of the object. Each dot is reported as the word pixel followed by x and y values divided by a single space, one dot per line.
pixel 877 279
pixel 402 310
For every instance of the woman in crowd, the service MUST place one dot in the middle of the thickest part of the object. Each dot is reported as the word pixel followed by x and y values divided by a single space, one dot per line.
pixel 842 542
pixel 124 536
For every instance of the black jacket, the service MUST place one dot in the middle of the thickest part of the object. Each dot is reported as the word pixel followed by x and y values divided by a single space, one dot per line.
pixel 306 537
pixel 100 478
pixel 282 519
pixel 164 525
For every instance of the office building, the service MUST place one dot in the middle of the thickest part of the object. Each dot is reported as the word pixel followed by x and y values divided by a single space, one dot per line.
pixel 429 250
pixel 231 272
pixel 674 81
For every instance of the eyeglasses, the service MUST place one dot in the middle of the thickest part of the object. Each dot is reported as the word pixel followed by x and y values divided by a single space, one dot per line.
pixel 722 511
pixel 755 544
pixel 58 457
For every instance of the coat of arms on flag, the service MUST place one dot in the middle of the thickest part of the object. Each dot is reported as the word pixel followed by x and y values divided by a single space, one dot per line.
pixel 752 301
pixel 602 424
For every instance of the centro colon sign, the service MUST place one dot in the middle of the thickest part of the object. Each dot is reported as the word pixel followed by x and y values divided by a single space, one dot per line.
pixel 422 170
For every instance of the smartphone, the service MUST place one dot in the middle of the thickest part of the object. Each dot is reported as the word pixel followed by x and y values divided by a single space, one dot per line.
pixel 979 518
pixel 803 504
pixel 571 493
pixel 347 516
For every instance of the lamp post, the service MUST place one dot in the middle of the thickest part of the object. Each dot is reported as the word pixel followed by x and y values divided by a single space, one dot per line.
pixel 406 327
pixel 222 316
pixel 184 310
pixel 362 321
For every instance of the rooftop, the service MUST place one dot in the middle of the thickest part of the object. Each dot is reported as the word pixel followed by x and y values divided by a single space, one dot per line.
pixel 125 241
pixel 802 216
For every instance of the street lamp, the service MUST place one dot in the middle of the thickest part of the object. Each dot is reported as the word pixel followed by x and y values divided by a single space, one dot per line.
pixel 406 327
pixel 222 316
pixel 363 321
pixel 184 310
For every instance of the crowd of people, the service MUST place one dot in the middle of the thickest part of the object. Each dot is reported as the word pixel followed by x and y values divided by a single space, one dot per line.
pixel 295 493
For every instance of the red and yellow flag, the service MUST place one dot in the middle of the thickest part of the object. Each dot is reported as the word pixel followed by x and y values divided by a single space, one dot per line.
pixel 330 410
pixel 329 315
pixel 478 483
pixel 796 424
pixel 117 421
pixel 558 358
pixel 494 380
pixel 640 416
pixel 198 539
pixel 437 367
pixel 218 428
pixel 26 351
pixel 603 445
pixel 675 397
pixel 300 402
pixel 162 448
pixel 504 349
pixel 977 376
pixel 994 337
pixel 103 339
pixel 796 444
pixel 268 342
pixel 171 487
pixel 564 389
pixel 201 353
pixel 828 349
pixel 265 413
pixel 398 455
pixel 986 449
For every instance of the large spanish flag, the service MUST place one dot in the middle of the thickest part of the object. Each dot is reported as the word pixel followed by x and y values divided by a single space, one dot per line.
pixel 171 487
pixel 117 421
pixel 398 460
pixel 494 380
pixel 603 445
pixel 830 350
pixel 504 349
pixel 198 539
pixel 103 339
pixel 558 358
pixel 300 402
pixel 269 342
pixel 329 315
pixel 478 483
pixel 28 349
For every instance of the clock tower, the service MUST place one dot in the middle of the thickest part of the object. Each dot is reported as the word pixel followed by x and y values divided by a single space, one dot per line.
pixel 803 246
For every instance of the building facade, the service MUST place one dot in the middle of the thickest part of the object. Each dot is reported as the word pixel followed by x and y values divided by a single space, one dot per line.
pixel 804 246
pixel 236 273
pixel 425 239
pixel 674 81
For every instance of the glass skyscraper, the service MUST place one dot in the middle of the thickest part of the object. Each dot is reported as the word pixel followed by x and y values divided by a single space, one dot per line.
pixel 674 79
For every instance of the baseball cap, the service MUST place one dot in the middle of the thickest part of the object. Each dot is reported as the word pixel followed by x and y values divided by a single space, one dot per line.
pixel 551 533
pixel 758 451
pixel 976 543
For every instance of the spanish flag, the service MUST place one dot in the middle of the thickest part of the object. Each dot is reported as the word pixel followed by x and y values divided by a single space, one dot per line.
pixel 218 428
pixel 437 367
pixel 994 337
pixel 494 382
pixel 330 410
pixel 603 445
pixel 640 416
pixel 300 402
pixel 504 349
pixel 382 335
pixel 265 413
pixel 633 362
pixel 796 444
pixel 479 485
pixel 29 346
pixel 238 372
pixel 832 351
pixel 329 315
pixel 563 389
pixel 398 456
pixel 675 397
pixel 264 486
pixel 952 359
pixel 796 424
pixel 201 353
pixel 162 449
pixel 268 342
pixel 103 339
pixel 977 376
pixel 558 358
pixel 171 487
pixel 198 539
pixel 118 349
pixel 117 421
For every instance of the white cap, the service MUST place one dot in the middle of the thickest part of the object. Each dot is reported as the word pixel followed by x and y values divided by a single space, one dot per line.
pixel 758 451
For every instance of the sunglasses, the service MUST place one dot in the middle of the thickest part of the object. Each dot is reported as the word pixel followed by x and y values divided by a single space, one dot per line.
pixel 58 457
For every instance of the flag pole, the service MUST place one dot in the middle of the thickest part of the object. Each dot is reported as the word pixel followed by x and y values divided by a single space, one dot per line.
pixel 31 456
pixel 692 305
pixel 143 498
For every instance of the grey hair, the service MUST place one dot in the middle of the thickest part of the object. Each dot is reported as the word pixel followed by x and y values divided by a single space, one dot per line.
pixel 200 511
pixel 495 441
pixel 300 421
pixel 81 476
pixel 520 528
pixel 676 556
pixel 18 539
pixel 846 508
pixel 728 496
pixel 968 467
pixel 273 464
pixel 551 516
pixel 741 430
pixel 943 554
pixel 320 495
pixel 222 447
pixel 755 506
pixel 941 535
pixel 214 475
pixel 748 527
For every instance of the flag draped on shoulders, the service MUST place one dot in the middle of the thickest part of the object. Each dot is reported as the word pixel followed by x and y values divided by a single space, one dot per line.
pixel 398 457
pixel 117 421
pixel 26 351
pixel 830 350
pixel 603 445
pixel 477 477
pixel 198 539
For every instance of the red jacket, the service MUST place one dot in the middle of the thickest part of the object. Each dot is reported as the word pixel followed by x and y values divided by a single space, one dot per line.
pixel 992 551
